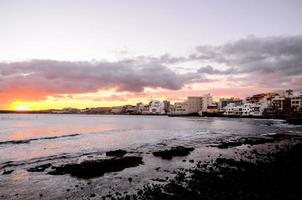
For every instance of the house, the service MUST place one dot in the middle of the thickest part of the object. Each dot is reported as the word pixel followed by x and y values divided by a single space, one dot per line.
pixel 157 107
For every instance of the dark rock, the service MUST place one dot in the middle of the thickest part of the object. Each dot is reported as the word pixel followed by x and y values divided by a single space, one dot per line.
pixel 95 168
pixel 118 152
pixel 7 172
pixel 127 197
pixel 39 168
pixel 294 121
pixel 173 152
pixel 92 195
pixel 250 141
pixel 130 179
pixel 278 178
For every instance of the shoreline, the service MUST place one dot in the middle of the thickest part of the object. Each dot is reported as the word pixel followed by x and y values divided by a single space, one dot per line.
pixel 235 170
pixel 289 120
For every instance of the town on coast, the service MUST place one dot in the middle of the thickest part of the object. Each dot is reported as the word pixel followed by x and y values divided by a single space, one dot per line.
pixel 284 104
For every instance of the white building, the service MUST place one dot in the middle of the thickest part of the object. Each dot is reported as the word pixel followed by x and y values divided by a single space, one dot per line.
pixel 233 110
pixel 258 109
pixel 180 108
pixel 247 109
pixel 296 101
pixel 206 101
pixel 157 107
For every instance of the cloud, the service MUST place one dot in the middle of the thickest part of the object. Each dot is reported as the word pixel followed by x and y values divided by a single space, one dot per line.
pixel 259 63
pixel 37 79
pixel 267 62
pixel 210 70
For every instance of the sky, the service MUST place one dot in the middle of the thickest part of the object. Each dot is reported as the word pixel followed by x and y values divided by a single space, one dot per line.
pixel 90 53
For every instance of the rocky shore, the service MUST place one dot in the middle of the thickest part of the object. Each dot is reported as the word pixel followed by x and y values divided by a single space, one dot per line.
pixel 265 166
pixel 276 175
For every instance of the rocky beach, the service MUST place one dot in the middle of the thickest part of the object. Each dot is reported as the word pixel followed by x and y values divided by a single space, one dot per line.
pixel 207 163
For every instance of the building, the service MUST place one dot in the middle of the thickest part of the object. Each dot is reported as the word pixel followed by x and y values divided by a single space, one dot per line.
pixel 247 109
pixel 146 110
pixel 194 104
pixel 233 110
pixel 260 97
pixel 139 108
pixel 129 109
pixel 213 108
pixel 116 110
pixel 296 102
pixel 223 102
pixel 206 100
pixel 157 107
pixel 180 108
pixel 258 109
pixel 166 106
pixel 277 103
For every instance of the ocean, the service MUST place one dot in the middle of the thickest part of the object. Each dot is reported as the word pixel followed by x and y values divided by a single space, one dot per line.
pixel 29 140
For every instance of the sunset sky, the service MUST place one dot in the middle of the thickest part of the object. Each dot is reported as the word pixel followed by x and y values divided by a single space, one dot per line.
pixel 90 53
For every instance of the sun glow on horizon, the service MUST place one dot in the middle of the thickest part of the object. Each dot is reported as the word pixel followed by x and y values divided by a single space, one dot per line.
pixel 19 106
pixel 22 108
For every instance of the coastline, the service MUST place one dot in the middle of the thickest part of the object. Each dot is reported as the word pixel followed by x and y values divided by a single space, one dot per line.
pixel 231 171
pixel 289 120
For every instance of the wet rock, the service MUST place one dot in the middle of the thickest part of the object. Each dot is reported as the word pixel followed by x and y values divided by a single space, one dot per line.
pixel 95 168
pixel 294 121
pixel 7 172
pixel 118 152
pixel 278 178
pixel 173 152
pixel 245 141
pixel 39 168
pixel 127 197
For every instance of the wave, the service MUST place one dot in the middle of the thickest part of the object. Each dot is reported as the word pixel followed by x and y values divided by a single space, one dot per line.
pixel 34 139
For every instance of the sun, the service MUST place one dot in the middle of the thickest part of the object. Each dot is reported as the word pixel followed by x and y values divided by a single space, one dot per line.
pixel 22 108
